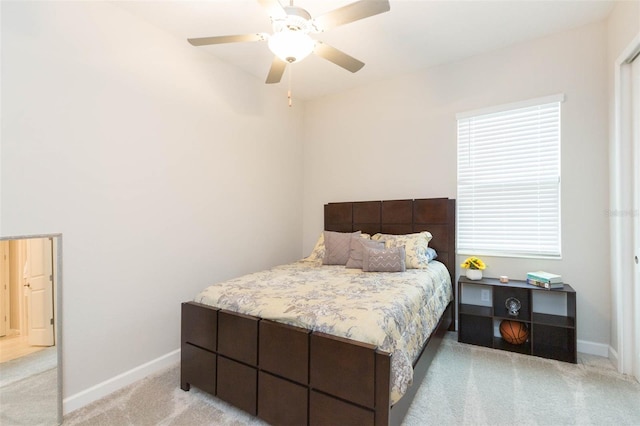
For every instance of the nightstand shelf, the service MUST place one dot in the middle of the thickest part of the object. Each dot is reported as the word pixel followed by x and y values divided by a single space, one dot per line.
pixel 500 343
pixel 549 315
pixel 481 311
pixel 554 320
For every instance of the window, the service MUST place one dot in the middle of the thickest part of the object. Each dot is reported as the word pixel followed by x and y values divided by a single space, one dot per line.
pixel 509 180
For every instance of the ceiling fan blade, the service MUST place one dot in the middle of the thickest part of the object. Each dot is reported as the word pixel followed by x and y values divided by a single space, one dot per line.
pixel 276 71
pixel 203 41
pixel 351 12
pixel 337 57
pixel 274 8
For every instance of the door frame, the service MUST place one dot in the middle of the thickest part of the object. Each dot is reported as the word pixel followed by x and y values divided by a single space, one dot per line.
pixel 623 218
pixel 5 283
pixel 635 75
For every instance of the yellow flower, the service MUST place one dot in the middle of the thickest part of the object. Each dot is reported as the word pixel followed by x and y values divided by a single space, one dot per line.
pixel 473 263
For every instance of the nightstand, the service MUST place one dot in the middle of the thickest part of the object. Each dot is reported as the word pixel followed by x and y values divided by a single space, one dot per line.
pixel 549 316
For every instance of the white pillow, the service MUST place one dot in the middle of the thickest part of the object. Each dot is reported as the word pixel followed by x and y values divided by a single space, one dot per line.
pixel 317 254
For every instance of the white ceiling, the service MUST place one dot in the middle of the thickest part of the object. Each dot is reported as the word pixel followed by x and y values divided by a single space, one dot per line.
pixel 413 35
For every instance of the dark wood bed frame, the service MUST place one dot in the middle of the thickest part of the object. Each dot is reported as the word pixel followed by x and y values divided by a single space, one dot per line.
pixel 293 376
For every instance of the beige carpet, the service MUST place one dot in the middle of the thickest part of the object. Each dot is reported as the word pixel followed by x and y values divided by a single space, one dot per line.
pixel 29 389
pixel 465 385
pixel 30 401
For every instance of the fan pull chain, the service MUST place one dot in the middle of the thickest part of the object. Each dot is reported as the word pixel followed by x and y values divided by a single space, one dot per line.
pixel 289 91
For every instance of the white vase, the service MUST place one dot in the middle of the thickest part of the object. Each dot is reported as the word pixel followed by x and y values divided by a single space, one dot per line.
pixel 474 274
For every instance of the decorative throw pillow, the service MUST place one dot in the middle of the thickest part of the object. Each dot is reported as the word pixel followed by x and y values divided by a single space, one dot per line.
pixel 415 247
pixel 356 251
pixel 337 246
pixel 383 260
pixel 317 254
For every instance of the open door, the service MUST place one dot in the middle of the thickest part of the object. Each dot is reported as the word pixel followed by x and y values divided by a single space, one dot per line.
pixel 39 291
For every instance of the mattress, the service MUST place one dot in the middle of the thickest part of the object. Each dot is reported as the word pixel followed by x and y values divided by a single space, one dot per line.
pixel 394 311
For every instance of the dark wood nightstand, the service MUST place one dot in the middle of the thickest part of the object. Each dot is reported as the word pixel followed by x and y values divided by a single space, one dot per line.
pixel 549 315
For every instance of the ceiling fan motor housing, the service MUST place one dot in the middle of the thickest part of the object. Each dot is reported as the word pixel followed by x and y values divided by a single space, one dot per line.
pixel 297 19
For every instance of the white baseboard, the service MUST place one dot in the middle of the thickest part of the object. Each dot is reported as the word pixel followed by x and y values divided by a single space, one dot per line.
pixel 103 389
pixel 613 356
pixel 592 348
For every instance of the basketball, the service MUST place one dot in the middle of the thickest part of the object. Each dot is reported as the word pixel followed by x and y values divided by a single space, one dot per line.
pixel 514 332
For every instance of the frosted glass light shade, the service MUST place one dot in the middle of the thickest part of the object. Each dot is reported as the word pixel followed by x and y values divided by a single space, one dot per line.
pixel 291 46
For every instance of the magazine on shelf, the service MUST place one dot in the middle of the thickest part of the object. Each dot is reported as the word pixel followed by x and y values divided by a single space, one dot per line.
pixel 545 277
pixel 544 284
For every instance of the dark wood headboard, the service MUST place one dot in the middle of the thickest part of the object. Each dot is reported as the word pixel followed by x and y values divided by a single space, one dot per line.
pixel 436 215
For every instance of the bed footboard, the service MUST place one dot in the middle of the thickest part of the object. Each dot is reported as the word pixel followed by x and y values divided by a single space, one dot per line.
pixel 283 374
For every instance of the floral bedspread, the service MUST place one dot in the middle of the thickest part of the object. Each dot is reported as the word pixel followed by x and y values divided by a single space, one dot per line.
pixel 394 311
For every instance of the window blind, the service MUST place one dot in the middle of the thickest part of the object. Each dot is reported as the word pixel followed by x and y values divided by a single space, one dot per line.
pixel 509 180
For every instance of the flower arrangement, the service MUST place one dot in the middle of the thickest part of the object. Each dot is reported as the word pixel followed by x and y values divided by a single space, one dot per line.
pixel 473 263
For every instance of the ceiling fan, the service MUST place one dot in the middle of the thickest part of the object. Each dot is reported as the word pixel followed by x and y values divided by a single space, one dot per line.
pixel 290 41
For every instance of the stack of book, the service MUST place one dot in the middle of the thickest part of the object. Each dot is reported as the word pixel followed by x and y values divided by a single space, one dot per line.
pixel 545 280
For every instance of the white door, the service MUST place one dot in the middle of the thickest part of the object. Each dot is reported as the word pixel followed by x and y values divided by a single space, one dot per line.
pixel 4 287
pixel 635 124
pixel 39 294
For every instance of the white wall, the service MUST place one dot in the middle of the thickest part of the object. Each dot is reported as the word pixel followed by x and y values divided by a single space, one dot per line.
pixel 164 169
pixel 397 139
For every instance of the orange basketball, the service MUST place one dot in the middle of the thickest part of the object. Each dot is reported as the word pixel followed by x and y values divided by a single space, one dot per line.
pixel 514 332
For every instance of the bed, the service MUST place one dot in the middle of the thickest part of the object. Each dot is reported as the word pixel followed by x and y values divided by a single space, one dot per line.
pixel 285 373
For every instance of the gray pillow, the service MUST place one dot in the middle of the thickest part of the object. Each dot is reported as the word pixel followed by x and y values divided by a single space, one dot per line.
pixel 337 246
pixel 383 260
pixel 357 248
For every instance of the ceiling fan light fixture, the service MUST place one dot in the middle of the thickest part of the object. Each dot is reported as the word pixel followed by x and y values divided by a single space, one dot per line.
pixel 291 45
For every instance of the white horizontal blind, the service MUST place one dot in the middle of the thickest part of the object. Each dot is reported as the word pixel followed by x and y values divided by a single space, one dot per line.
pixel 509 181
